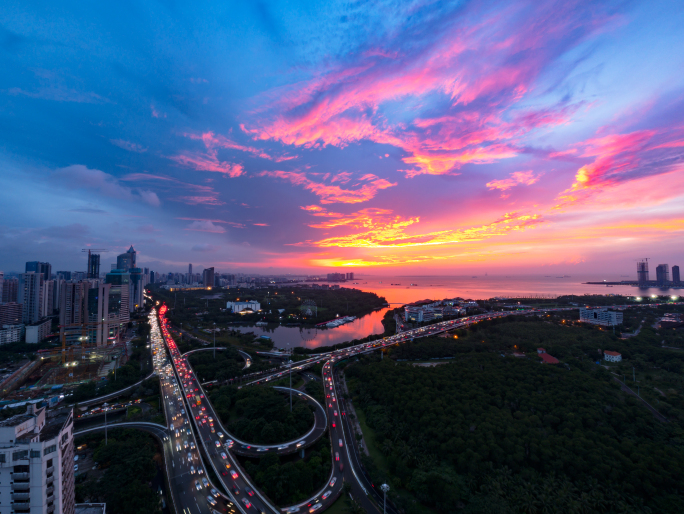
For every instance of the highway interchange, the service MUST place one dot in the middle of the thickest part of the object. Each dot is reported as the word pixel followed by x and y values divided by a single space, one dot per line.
pixel 192 423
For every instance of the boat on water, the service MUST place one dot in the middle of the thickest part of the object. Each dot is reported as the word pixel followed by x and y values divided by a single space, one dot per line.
pixel 414 284
pixel 340 321
pixel 395 284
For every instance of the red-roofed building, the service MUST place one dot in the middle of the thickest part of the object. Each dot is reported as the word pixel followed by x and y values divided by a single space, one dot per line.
pixel 612 356
pixel 541 350
pixel 547 359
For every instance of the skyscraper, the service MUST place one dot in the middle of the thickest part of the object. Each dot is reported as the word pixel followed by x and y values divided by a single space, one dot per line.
pixel 119 297
pixel 662 275
pixel 126 261
pixel 208 277
pixel 190 269
pixel 2 283
pixel 40 267
pixel 642 272
pixel 675 276
pixel 30 296
pixel 93 265
pixel 135 296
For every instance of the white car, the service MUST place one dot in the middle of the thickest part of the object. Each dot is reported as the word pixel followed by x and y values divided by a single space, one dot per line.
pixel 223 455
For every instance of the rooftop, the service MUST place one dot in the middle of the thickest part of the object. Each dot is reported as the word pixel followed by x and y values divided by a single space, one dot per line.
pixel 548 359
pixel 614 354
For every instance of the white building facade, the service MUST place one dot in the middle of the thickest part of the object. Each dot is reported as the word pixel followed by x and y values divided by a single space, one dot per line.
pixel 601 316
pixel 37 463
pixel 241 306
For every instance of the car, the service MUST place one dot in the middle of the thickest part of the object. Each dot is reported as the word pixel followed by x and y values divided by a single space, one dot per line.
pixel 178 447
pixel 205 482
pixel 75 458
pixel 335 412
pixel 220 434
pixel 249 491
pixel 314 508
pixel 227 465
pixel 75 467
pixel 333 424
pixel 185 444
pixel 192 445
pixel 189 456
pixel 283 446
pixel 235 490
pixel 223 455
pixel 214 492
pixel 198 485
pixel 332 482
pixel 200 470
pixel 340 443
pixel 211 500
pixel 301 443
pixel 262 449
pixel 292 510
pixel 337 456
pixel 341 467
pixel 246 502
pixel 218 444
pixel 234 474
pixel 192 469
pixel 326 494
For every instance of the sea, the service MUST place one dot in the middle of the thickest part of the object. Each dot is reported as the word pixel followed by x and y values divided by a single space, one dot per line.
pixel 402 289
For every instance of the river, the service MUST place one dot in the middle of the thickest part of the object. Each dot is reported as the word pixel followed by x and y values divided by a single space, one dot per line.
pixel 404 289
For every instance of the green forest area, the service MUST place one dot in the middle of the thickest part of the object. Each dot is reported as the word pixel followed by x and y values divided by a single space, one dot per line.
pixel 261 415
pixel 288 480
pixel 130 460
pixel 184 306
pixel 505 434
pixel 226 365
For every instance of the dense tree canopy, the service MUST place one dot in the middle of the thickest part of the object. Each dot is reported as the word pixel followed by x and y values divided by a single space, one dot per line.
pixel 130 459
pixel 261 415
pixel 500 432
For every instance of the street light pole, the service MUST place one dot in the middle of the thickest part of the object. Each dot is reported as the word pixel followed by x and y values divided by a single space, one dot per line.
pixel 214 341
pixel 384 488
pixel 105 408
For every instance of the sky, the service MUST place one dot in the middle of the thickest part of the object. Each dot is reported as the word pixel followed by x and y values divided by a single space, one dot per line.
pixel 377 137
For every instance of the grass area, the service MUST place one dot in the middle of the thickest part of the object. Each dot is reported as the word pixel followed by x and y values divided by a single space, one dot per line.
pixel 285 382
pixel 339 507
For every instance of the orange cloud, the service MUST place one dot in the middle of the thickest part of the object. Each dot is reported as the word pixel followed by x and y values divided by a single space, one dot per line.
pixel 382 229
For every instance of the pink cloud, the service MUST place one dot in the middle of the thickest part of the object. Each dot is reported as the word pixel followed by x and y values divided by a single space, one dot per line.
pixel 484 121
pixel 517 178
pixel 331 193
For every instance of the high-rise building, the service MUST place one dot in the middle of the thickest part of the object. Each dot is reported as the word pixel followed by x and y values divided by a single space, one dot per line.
pixel 64 275
pixel 642 272
pixel 126 261
pixel 72 310
pixel 30 295
pixel 336 277
pixel 98 315
pixel 208 277
pixel 10 314
pixel 93 265
pixel 662 275
pixel 119 296
pixel 135 296
pixel 675 276
pixel 600 316
pixel 349 276
pixel 2 283
pixel 40 267
pixel 37 462
pixel 190 269
pixel 10 288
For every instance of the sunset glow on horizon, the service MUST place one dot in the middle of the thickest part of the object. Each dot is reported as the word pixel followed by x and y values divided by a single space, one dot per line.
pixel 294 137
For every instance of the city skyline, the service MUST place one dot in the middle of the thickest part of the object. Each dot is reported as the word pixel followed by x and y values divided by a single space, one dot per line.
pixel 511 138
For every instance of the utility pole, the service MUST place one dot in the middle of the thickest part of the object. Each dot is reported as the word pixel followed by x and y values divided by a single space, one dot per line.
pixel 105 408
pixel 384 488
pixel 214 341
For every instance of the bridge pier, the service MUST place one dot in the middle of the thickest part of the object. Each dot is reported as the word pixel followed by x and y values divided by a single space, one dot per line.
pixel 302 453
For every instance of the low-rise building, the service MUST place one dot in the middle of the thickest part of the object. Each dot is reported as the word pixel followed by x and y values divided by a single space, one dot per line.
pixel 238 307
pixel 601 316
pixel 612 356
pixel 11 333
pixel 546 358
pixel 36 332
